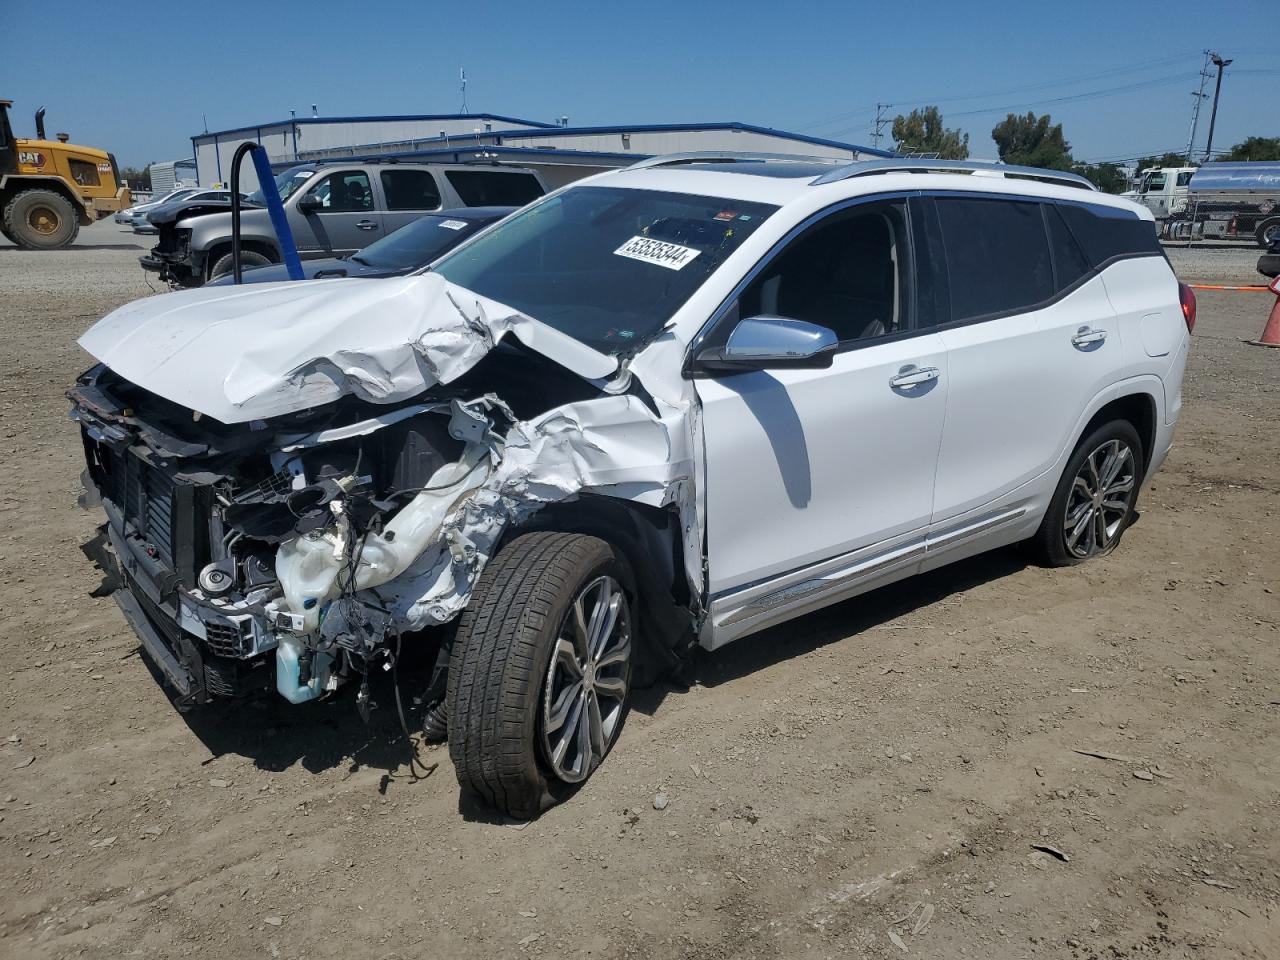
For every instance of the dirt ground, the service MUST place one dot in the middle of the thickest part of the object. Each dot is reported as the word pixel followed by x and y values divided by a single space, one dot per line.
pixel 873 780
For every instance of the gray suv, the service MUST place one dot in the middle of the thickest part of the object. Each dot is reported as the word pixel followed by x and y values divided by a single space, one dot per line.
pixel 334 210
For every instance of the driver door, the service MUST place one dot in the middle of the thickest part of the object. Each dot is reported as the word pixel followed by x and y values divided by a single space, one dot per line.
pixel 819 482
pixel 341 219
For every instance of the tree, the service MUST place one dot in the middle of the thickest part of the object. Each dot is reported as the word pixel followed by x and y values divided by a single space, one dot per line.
pixel 138 179
pixel 1164 160
pixel 1254 148
pixel 921 131
pixel 1032 141
pixel 1107 177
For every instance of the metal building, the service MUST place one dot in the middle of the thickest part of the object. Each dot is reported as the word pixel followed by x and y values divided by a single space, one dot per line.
pixel 303 137
pixel 560 153
pixel 172 174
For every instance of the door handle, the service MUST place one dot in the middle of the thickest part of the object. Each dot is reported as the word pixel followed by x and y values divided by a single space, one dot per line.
pixel 367 224
pixel 912 376
pixel 1086 336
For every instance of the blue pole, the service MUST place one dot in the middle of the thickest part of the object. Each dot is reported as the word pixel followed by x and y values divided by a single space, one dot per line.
pixel 267 180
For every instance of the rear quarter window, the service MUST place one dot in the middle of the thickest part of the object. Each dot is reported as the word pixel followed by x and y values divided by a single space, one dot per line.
pixel 493 188
pixel 1106 233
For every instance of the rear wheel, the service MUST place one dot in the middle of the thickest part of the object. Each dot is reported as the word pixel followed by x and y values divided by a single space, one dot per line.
pixel 40 220
pixel 1268 232
pixel 540 672
pixel 1095 498
pixel 225 264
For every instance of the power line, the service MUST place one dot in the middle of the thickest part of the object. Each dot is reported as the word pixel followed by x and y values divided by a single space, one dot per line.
pixel 1023 88
pixel 1077 97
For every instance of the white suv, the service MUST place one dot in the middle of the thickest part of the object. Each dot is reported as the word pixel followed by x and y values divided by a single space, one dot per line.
pixel 674 404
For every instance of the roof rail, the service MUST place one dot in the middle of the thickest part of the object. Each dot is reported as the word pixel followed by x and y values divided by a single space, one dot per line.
pixel 861 168
pixel 727 156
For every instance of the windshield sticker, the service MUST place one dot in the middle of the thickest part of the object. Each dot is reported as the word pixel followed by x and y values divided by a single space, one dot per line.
pixel 669 255
pixel 453 224
pixel 726 215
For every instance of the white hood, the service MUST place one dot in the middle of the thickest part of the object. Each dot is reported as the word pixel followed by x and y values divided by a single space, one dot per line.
pixel 252 352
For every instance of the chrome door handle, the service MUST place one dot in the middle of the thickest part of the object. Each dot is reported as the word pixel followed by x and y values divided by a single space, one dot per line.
pixel 366 225
pixel 1086 335
pixel 911 376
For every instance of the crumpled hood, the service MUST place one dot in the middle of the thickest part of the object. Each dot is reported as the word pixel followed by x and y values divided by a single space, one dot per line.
pixel 246 353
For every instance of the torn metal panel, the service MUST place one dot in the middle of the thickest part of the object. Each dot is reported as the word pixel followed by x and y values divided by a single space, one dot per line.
pixel 237 355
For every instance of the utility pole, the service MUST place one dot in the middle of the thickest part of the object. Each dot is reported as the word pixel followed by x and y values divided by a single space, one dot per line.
pixel 462 77
pixel 1200 96
pixel 881 120
pixel 1217 91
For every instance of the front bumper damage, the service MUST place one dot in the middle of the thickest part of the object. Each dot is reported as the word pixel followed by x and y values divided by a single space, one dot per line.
pixel 283 514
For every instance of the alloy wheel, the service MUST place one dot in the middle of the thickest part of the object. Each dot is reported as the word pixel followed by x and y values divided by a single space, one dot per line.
pixel 1100 499
pixel 586 684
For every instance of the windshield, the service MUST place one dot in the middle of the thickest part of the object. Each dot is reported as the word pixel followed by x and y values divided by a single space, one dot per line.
pixel 606 265
pixel 417 243
pixel 287 183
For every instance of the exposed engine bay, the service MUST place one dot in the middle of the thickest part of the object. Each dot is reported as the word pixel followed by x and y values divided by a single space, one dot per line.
pixel 310 513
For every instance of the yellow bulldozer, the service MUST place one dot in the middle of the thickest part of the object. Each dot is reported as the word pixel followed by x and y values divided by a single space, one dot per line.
pixel 49 188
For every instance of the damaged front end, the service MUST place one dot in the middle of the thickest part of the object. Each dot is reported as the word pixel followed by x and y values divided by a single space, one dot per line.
pixel 290 534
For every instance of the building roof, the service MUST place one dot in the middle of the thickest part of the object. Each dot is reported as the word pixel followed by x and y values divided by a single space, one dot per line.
pixel 386 118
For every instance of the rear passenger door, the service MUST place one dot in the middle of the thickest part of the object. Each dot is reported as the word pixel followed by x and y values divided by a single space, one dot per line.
pixel 1031 341
pixel 408 194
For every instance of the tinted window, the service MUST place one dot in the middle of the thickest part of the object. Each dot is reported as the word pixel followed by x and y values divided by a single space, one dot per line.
pixel 1069 261
pixel 418 244
pixel 997 256
pixel 1106 233
pixel 605 265
pixel 410 190
pixel 349 191
pixel 846 274
pixel 492 188
pixel 1184 178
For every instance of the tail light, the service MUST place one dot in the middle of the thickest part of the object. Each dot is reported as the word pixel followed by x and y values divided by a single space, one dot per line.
pixel 1187 297
pixel 1231 227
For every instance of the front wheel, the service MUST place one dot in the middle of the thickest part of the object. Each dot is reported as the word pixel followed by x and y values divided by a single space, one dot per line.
pixel 225 264
pixel 41 220
pixel 1095 498
pixel 540 671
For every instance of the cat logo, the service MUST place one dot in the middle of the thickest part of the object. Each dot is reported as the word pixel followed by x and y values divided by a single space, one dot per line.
pixel 31 157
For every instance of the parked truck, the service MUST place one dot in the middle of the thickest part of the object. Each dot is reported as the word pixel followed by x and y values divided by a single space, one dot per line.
pixel 50 188
pixel 1224 201
pixel 1162 190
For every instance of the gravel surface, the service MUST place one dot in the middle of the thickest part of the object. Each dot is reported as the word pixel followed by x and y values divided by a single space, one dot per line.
pixel 994 760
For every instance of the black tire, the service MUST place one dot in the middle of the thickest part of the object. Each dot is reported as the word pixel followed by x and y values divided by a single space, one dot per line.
pixel 226 263
pixel 1268 231
pixel 501 660
pixel 41 220
pixel 1050 543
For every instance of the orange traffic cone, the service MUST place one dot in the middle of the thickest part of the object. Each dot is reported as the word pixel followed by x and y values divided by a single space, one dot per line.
pixel 1270 336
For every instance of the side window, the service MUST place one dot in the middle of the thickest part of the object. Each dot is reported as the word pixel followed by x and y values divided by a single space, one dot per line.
pixel 349 191
pixel 410 190
pixel 1184 178
pixel 1155 183
pixel 997 256
pixel 848 273
pixel 1107 233
pixel 84 173
pixel 1069 261
pixel 493 188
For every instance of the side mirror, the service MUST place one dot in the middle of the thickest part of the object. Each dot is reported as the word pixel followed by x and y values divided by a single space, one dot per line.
pixel 765 343
pixel 310 204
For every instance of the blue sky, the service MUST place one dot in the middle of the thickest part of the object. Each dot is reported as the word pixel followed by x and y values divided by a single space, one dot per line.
pixel 139 88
